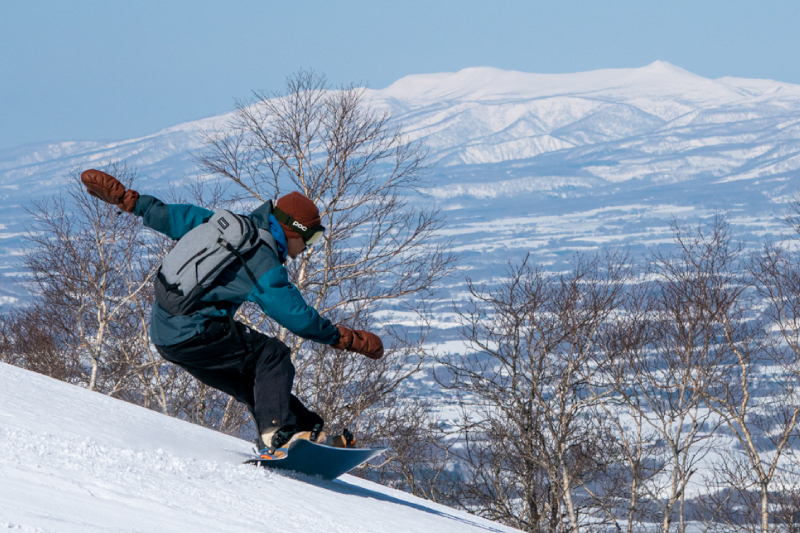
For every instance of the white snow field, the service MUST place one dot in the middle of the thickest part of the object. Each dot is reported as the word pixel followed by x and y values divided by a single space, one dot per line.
pixel 74 461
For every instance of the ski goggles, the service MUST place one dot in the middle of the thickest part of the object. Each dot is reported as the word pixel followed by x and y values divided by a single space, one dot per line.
pixel 311 236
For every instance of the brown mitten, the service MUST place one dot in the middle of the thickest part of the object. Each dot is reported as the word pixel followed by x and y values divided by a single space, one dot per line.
pixel 359 341
pixel 109 189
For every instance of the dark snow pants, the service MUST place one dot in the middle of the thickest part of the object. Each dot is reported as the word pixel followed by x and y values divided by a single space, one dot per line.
pixel 255 369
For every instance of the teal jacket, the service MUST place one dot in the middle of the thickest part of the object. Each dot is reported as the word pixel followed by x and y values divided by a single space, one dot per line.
pixel 274 294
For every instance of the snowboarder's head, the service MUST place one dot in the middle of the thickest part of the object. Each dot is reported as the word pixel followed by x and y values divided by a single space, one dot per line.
pixel 300 220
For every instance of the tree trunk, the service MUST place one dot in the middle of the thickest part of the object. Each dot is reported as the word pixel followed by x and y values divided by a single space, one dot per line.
pixel 671 502
pixel 632 509
pixel 573 516
pixel 93 378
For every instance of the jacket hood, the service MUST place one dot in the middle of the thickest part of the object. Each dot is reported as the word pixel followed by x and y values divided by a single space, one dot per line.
pixel 261 215
pixel 263 218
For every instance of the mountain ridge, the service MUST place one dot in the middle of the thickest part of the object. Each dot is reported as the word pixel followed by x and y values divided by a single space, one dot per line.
pixel 505 143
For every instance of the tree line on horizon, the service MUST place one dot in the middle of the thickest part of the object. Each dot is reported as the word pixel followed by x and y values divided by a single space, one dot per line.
pixel 590 399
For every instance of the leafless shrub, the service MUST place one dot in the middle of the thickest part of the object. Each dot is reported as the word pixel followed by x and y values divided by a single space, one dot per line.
pixel 27 340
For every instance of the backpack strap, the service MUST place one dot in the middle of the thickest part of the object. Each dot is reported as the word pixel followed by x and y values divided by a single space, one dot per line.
pixel 238 256
pixel 265 237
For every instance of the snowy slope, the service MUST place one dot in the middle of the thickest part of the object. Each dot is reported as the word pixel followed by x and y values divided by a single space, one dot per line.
pixel 76 461
pixel 548 163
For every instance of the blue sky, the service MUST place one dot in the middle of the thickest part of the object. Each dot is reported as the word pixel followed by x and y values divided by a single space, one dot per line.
pixel 84 70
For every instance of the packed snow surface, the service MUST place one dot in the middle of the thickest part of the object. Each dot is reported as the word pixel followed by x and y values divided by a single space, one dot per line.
pixel 77 461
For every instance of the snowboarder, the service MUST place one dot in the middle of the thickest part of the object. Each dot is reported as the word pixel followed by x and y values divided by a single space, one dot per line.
pixel 200 334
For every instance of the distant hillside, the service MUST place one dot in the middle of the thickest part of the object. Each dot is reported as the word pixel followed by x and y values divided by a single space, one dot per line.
pixel 549 163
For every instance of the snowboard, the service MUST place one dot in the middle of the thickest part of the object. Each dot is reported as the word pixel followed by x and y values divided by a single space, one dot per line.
pixel 311 459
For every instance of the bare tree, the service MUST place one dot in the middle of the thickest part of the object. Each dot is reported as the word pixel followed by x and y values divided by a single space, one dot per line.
pixel 360 170
pixel 776 273
pixel 628 490
pixel 759 413
pixel 82 259
pixel 666 378
pixel 625 493
pixel 756 306
pixel 530 412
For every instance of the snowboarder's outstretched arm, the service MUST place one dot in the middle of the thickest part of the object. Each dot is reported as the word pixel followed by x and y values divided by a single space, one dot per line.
pixel 282 301
pixel 173 220
pixel 279 299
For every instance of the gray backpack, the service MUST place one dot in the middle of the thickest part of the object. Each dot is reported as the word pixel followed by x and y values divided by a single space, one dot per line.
pixel 200 255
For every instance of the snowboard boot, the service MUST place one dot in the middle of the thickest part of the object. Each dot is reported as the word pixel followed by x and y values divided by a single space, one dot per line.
pixel 345 440
pixel 280 438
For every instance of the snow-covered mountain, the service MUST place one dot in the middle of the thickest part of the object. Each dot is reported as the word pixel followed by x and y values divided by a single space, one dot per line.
pixel 76 461
pixel 483 115
pixel 549 163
